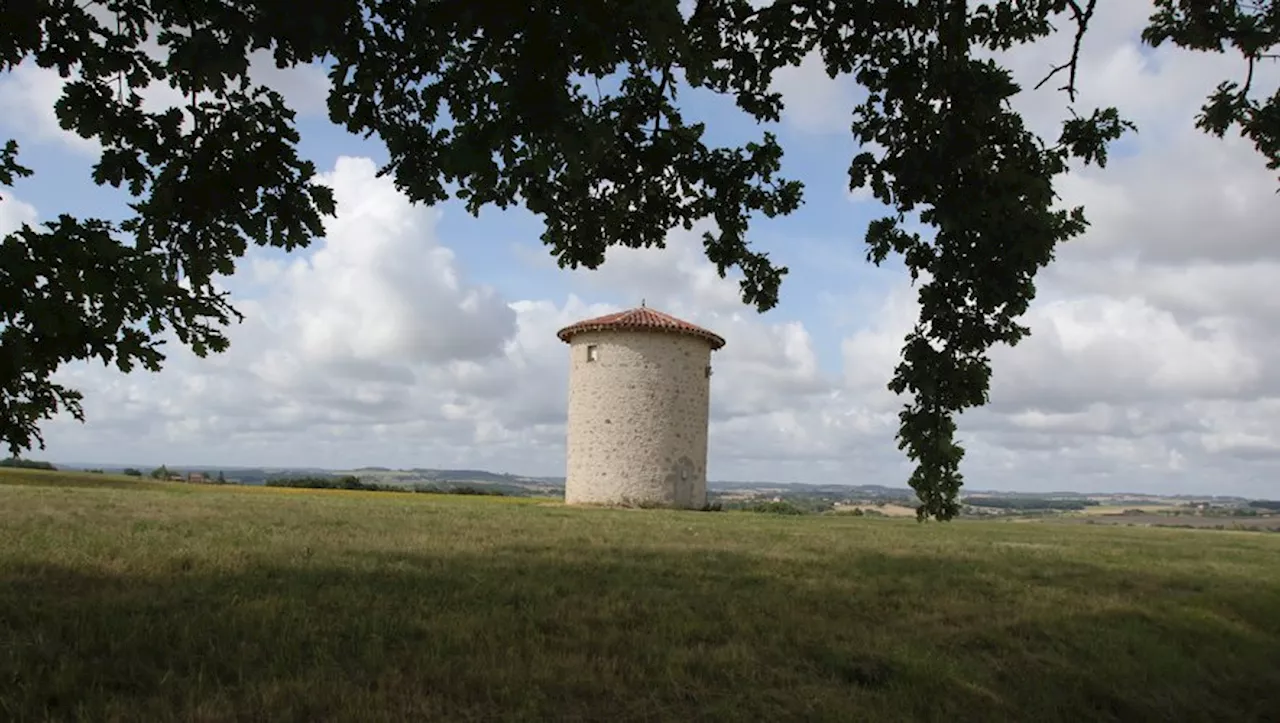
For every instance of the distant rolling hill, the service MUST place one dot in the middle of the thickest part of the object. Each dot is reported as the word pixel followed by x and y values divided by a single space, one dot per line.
pixel 516 483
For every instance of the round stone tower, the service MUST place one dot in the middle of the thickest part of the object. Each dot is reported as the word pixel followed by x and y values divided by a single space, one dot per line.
pixel 639 400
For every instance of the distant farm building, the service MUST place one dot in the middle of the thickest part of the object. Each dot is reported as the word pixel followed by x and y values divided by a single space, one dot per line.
pixel 639 401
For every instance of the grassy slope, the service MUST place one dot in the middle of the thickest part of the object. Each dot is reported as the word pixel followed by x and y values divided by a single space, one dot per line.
pixel 123 599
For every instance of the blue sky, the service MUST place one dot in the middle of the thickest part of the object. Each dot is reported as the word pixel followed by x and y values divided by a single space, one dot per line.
pixel 424 337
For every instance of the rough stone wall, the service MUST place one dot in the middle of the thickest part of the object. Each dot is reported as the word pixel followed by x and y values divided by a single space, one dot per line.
pixel 638 419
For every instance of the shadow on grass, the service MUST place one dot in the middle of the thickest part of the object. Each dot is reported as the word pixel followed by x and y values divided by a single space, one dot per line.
pixel 529 633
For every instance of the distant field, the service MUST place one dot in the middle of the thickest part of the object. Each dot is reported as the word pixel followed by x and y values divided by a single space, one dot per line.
pixel 128 600
pixel 1117 509
pixel 889 509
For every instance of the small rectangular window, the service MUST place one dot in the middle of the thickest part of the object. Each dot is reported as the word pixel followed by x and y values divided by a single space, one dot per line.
pixel 592 352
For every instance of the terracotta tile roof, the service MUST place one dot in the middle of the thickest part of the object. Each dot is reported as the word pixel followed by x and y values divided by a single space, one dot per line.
pixel 641 318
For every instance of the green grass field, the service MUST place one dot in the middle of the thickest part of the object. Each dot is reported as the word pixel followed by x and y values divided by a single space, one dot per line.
pixel 129 600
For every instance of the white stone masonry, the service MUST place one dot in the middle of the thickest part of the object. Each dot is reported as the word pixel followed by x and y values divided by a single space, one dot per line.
pixel 638 412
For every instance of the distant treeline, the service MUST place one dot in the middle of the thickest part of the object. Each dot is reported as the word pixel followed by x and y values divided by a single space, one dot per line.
pixel 771 507
pixel 1029 503
pixel 351 482
pixel 782 505
pixel 1266 505
pixel 26 463
pixel 346 482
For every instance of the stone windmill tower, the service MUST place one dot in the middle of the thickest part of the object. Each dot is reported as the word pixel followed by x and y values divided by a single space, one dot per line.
pixel 639 401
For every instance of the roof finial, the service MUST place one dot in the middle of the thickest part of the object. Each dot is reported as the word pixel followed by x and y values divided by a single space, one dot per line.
pixel 641 303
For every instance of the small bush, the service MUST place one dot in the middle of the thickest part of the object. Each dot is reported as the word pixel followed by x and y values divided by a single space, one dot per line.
pixel 132 472
pixel 467 490
pixel 26 463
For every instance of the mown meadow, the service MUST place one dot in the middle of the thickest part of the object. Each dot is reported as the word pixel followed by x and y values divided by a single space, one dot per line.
pixel 126 600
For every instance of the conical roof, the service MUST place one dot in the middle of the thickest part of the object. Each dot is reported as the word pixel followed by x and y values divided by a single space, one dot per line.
pixel 641 318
